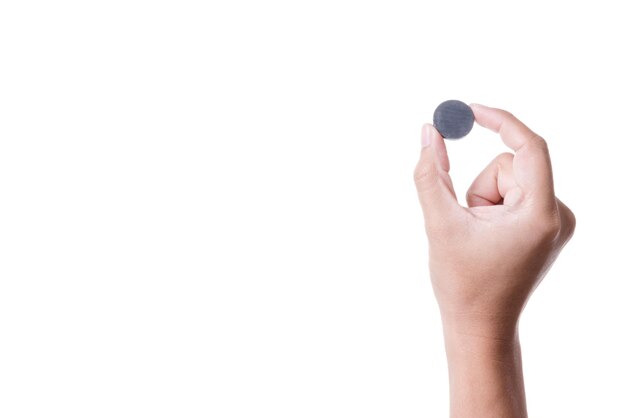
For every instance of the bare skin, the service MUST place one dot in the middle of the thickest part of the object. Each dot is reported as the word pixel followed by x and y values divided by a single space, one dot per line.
pixel 486 259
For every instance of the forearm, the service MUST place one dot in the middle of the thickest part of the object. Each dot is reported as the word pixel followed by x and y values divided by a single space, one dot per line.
pixel 485 371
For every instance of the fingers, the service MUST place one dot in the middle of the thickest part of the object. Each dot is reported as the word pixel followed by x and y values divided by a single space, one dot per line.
pixel 531 166
pixel 495 184
pixel 432 180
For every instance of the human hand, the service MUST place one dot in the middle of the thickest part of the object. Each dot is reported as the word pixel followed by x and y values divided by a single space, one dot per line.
pixel 486 260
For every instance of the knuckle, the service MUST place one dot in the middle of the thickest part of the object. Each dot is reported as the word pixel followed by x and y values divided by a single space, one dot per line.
pixel 507 114
pixel 547 227
pixel 568 222
pixel 540 143
pixel 423 174
pixel 505 156
pixel 473 199
pixel 504 159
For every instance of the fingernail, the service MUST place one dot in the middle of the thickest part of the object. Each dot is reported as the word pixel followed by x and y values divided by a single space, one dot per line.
pixel 426 136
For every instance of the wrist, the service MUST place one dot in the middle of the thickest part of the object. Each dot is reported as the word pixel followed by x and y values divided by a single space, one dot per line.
pixel 485 371
pixel 463 341
pixel 481 328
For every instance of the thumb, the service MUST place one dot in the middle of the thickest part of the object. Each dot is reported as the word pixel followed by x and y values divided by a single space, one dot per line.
pixel 434 185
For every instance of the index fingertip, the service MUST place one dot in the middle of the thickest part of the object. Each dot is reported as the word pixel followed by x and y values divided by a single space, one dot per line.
pixel 479 112
pixel 477 106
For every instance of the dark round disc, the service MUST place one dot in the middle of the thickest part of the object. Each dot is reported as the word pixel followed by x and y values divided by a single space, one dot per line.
pixel 453 119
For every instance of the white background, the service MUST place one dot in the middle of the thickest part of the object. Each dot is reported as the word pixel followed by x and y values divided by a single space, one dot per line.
pixel 207 208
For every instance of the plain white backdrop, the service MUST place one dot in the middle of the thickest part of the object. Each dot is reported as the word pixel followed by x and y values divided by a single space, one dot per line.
pixel 207 208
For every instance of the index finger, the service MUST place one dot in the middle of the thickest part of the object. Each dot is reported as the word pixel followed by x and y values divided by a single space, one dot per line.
pixel 532 169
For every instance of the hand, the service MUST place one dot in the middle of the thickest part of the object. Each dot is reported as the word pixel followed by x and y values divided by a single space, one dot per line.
pixel 486 259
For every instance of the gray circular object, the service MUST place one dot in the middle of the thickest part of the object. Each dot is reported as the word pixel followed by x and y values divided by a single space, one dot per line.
pixel 453 119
